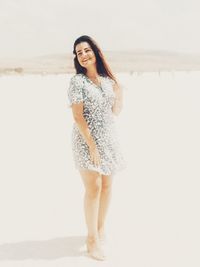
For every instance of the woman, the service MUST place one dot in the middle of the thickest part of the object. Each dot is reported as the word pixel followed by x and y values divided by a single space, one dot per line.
pixel 95 97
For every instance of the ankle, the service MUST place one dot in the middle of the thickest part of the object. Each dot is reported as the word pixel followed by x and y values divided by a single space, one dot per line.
pixel 93 243
pixel 92 238
pixel 101 228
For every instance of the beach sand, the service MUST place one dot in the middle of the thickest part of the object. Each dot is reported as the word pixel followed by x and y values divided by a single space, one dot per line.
pixel 154 214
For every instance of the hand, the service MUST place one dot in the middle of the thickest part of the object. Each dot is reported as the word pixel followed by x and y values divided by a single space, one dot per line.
pixel 94 155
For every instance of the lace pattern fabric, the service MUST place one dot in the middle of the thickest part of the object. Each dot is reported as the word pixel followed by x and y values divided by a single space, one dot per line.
pixel 97 111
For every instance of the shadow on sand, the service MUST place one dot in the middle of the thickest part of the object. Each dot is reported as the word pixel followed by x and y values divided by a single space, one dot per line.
pixel 45 249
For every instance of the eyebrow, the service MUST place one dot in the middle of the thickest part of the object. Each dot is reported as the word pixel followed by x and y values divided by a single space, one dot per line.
pixel 84 49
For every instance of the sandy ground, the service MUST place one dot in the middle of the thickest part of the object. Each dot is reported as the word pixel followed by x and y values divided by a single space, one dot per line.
pixel 154 214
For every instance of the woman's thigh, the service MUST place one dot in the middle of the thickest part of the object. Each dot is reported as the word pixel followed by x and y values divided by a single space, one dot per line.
pixel 91 178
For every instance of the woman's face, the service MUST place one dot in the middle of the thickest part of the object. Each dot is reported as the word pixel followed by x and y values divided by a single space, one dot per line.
pixel 85 55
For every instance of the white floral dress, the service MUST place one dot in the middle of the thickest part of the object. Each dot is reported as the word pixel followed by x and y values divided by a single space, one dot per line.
pixel 97 111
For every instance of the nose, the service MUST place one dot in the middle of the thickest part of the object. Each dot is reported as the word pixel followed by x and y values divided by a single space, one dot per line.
pixel 84 54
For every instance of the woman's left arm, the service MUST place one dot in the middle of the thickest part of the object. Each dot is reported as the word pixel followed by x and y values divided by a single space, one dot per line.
pixel 118 103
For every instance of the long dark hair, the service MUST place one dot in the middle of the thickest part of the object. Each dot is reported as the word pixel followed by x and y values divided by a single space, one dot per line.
pixel 102 67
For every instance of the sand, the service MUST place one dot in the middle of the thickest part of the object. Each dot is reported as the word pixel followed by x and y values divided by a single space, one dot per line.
pixel 154 214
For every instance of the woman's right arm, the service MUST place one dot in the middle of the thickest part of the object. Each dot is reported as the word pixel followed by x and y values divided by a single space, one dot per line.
pixel 76 99
pixel 77 111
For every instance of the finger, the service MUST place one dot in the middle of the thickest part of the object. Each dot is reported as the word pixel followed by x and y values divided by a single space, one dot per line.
pixel 92 158
pixel 94 161
pixel 97 160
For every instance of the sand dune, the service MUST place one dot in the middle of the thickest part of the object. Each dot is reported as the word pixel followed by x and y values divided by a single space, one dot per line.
pixel 120 61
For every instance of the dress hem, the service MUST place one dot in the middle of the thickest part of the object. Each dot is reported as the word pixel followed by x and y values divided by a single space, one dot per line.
pixel 101 172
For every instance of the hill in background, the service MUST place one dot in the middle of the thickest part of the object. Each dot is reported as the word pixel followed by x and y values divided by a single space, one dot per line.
pixel 120 61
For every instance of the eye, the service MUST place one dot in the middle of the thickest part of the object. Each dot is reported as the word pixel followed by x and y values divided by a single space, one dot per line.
pixel 86 50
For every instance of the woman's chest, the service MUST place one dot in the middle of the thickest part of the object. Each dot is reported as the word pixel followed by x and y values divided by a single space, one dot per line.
pixel 99 95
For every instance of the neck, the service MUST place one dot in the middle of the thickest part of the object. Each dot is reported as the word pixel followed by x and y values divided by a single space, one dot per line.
pixel 92 72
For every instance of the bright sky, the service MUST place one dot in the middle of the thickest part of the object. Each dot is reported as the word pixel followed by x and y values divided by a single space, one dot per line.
pixel 37 27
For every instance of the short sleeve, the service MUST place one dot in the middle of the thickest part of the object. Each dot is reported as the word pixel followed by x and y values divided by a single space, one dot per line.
pixel 75 90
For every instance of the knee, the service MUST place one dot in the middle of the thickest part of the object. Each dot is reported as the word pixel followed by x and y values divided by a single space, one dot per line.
pixel 94 189
pixel 106 187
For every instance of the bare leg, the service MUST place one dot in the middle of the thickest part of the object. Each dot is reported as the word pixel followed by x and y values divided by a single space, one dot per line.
pixel 104 204
pixel 92 183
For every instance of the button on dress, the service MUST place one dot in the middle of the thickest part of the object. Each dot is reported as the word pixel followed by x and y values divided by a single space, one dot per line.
pixel 97 111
